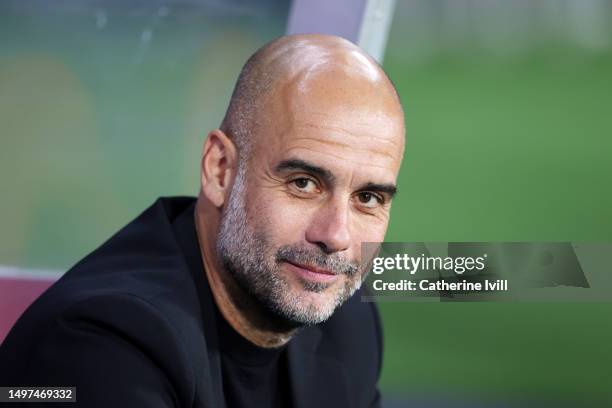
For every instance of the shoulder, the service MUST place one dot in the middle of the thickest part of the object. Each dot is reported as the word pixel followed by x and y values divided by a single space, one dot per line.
pixel 140 272
pixel 101 344
pixel 133 298
pixel 355 328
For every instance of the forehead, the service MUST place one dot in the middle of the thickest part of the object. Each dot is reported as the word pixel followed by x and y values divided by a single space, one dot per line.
pixel 338 123
pixel 348 140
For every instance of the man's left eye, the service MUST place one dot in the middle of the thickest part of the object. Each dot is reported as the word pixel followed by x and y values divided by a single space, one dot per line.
pixel 369 200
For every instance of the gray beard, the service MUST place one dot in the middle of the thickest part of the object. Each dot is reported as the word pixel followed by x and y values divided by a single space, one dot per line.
pixel 255 266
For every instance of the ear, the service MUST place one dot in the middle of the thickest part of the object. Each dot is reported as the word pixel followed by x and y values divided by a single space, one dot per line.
pixel 218 167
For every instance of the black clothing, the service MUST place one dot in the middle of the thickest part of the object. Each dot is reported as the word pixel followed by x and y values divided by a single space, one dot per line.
pixel 134 324
pixel 252 376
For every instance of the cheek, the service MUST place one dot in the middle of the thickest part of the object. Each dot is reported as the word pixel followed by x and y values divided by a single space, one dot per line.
pixel 283 219
pixel 369 229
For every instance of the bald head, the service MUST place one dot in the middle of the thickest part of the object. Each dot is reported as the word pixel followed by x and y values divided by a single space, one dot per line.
pixel 319 132
pixel 294 72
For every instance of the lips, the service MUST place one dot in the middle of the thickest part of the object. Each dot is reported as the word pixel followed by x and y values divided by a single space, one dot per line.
pixel 312 273
pixel 313 269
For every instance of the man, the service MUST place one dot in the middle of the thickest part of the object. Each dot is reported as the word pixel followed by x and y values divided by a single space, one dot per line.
pixel 243 297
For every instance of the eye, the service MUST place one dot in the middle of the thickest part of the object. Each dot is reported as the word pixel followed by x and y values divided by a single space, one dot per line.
pixel 370 200
pixel 305 185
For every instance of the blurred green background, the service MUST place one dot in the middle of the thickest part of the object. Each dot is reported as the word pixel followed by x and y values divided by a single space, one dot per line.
pixel 105 105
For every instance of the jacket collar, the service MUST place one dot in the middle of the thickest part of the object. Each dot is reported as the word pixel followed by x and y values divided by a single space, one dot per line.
pixel 187 238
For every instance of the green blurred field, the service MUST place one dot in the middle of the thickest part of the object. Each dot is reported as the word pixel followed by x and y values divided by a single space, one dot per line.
pixel 504 150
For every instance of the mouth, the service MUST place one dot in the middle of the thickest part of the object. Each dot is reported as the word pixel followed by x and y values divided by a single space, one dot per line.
pixel 312 273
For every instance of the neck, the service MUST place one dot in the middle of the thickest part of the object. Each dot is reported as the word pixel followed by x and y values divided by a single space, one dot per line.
pixel 239 309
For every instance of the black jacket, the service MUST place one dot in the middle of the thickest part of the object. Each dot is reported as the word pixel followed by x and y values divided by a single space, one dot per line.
pixel 132 325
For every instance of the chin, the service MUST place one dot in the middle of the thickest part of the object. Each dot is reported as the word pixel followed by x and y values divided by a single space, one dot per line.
pixel 307 307
pixel 307 302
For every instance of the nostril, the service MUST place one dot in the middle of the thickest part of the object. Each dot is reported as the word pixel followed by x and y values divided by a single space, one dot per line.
pixel 324 247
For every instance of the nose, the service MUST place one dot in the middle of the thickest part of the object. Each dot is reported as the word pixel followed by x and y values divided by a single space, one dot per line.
pixel 329 229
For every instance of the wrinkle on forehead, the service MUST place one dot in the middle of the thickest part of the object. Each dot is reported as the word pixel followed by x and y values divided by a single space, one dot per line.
pixel 369 147
pixel 363 131
pixel 360 161
pixel 343 113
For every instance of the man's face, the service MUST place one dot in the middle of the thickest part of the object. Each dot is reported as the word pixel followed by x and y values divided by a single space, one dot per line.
pixel 318 183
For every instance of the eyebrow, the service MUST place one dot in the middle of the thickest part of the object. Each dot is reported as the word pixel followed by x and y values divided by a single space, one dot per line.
pixel 328 177
pixel 297 164
pixel 389 189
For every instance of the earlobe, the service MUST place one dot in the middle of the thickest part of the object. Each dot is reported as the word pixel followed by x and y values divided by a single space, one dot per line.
pixel 218 167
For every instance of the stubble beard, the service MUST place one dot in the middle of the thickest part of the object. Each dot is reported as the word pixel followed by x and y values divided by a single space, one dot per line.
pixel 256 267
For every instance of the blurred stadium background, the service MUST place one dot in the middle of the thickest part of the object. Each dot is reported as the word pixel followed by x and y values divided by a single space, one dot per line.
pixel 104 106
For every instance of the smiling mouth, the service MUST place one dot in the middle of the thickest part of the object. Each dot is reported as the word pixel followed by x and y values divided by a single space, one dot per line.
pixel 313 268
pixel 312 273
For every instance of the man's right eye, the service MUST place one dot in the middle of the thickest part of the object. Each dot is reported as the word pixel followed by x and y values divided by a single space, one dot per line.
pixel 305 185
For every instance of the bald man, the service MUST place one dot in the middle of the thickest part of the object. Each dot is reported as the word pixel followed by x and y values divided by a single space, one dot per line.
pixel 245 296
